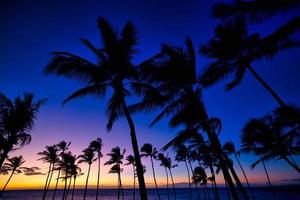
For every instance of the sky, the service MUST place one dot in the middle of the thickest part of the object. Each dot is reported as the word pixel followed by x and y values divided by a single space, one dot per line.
pixel 32 29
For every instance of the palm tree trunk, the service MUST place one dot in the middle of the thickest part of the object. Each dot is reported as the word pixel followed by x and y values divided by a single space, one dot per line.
pixel 153 172
pixel 248 184
pixel 204 193
pixel 174 190
pixel 266 86
pixel 87 182
pixel 65 188
pixel 45 188
pixel 135 147
pixel 215 142
pixel 12 173
pixel 236 178
pixel 133 182
pixel 191 167
pixel 98 178
pixel 291 164
pixel 227 190
pixel 121 187
pixel 189 178
pixel 168 192
pixel 50 178
pixel 56 184
pixel 217 196
pixel 68 188
pixel 73 190
pixel 118 186
pixel 269 181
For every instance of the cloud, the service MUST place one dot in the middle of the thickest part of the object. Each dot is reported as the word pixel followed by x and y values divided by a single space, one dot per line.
pixel 291 180
pixel 31 171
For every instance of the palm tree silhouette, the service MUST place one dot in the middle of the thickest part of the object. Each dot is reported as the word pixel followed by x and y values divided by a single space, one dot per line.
pixel 254 11
pixel 14 165
pixel 50 155
pixel 16 121
pixel 131 161
pixel 208 160
pixel 182 156
pixel 65 165
pixel 116 159
pixel 200 177
pixel 63 147
pixel 96 145
pixel 114 70
pixel 234 50
pixel 161 157
pixel 148 151
pixel 88 157
pixel 73 172
pixel 178 95
pixel 229 148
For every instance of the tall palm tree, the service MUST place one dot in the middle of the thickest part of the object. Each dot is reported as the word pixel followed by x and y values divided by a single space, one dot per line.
pixel 65 165
pixel 63 147
pixel 14 165
pixel 208 160
pixel 131 161
pixel 200 177
pixel 114 70
pixel 75 171
pixel 148 151
pixel 178 95
pixel 234 50
pixel 182 156
pixel 96 145
pixel 161 157
pixel 88 157
pixel 16 121
pixel 116 159
pixel 50 155
pixel 229 148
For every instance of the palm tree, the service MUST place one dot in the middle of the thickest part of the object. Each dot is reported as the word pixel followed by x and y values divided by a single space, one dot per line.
pixel 16 121
pixel 253 11
pixel 131 161
pixel 75 171
pixel 88 157
pixel 182 156
pixel 96 145
pixel 148 151
pixel 114 70
pixel 208 160
pixel 229 148
pixel 161 157
pixel 63 147
pixel 14 165
pixel 200 177
pixel 65 165
pixel 50 156
pixel 234 50
pixel 178 95
pixel 116 159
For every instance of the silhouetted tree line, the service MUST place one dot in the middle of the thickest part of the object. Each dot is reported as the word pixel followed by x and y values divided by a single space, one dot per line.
pixel 168 82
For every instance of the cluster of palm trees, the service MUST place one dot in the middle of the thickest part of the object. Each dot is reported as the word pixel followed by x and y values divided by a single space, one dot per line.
pixel 168 82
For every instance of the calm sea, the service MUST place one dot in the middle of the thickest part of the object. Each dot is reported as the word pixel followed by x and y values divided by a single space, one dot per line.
pixel 287 193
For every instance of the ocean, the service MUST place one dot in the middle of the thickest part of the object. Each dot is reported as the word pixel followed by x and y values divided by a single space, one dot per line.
pixel 287 193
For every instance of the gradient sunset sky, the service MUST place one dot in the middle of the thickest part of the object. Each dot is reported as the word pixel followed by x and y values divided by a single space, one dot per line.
pixel 31 29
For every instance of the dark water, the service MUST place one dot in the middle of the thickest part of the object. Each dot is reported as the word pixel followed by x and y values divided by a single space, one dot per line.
pixel 288 193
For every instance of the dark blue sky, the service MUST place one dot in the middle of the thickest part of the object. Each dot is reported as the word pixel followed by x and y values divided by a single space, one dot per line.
pixel 30 30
